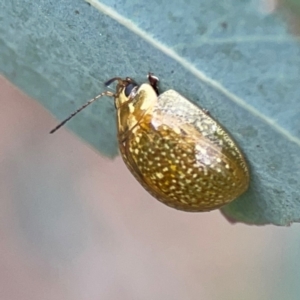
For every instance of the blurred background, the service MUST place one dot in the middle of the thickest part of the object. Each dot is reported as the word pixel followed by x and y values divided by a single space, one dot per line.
pixel 75 225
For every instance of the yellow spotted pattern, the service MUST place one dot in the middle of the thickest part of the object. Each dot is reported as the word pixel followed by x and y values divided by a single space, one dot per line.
pixel 182 156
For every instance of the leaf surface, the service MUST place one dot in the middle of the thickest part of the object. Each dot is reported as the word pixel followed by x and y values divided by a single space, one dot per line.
pixel 228 56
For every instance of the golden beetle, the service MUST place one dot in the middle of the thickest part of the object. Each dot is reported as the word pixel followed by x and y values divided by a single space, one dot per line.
pixel 178 153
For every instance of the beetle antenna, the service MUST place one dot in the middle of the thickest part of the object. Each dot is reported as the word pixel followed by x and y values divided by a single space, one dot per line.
pixel 106 93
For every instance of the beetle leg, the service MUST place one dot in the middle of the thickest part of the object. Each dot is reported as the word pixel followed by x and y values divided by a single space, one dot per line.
pixel 153 80
pixel 206 111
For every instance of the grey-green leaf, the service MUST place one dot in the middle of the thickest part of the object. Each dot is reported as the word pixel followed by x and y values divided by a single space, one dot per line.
pixel 230 57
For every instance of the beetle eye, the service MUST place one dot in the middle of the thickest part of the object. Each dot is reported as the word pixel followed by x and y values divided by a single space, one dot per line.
pixel 129 89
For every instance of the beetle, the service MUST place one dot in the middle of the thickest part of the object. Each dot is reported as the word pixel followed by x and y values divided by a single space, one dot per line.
pixel 174 148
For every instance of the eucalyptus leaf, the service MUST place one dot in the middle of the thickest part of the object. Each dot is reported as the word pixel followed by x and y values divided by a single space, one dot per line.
pixel 227 56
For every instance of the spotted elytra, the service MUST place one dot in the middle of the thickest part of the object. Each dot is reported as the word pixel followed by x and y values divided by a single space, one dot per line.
pixel 178 153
